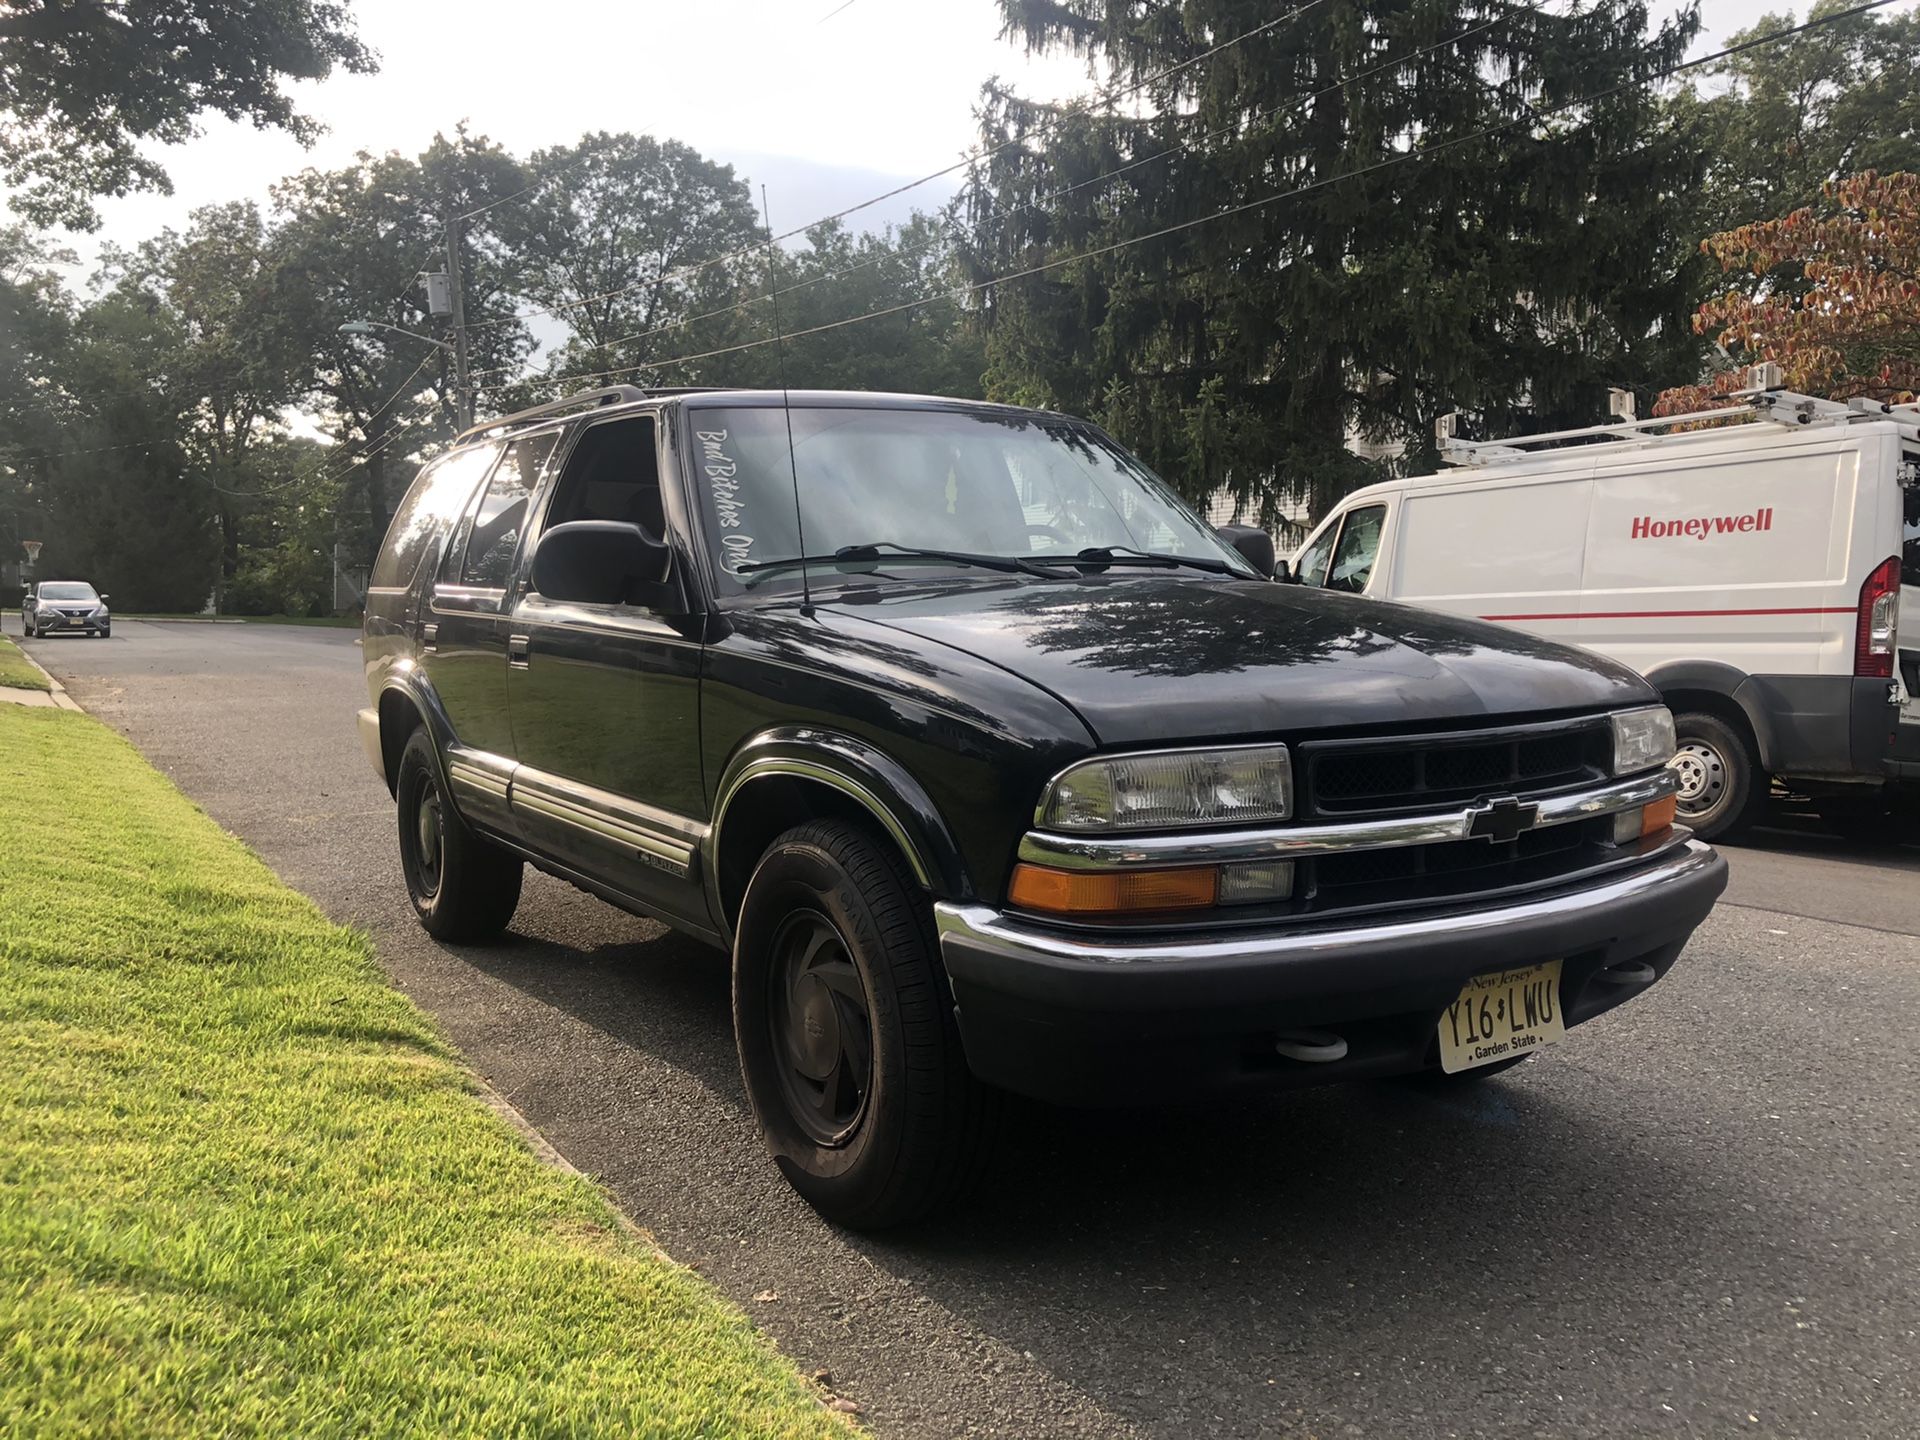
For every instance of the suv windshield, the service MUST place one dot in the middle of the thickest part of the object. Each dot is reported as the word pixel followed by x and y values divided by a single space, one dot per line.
pixel 64 590
pixel 984 483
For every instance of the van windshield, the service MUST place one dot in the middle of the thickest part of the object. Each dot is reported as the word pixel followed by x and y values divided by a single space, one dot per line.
pixel 990 483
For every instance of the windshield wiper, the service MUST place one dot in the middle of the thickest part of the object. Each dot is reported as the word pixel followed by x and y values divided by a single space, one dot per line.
pixel 1127 555
pixel 870 554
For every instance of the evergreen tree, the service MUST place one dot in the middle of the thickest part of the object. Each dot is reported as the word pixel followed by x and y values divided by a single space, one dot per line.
pixel 1513 275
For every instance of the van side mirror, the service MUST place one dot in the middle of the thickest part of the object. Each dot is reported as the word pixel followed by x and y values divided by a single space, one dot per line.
pixel 1283 573
pixel 605 562
pixel 1253 543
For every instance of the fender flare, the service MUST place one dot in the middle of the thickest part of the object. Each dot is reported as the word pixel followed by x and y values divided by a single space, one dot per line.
pixel 1716 677
pixel 858 770
pixel 408 680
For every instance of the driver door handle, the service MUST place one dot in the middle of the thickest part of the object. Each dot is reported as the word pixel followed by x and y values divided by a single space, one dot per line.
pixel 519 651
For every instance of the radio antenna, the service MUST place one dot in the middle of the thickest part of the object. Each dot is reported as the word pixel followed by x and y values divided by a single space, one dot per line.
pixel 786 405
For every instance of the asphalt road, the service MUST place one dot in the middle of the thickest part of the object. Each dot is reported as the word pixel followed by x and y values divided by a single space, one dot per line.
pixel 1699 1216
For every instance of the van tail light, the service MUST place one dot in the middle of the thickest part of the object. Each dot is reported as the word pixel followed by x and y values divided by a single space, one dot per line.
pixel 1879 616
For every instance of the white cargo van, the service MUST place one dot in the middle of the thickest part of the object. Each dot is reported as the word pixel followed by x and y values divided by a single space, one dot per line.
pixel 1752 570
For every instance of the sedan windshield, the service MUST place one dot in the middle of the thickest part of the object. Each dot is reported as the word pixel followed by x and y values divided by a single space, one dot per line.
pixel 67 590
pixel 966 483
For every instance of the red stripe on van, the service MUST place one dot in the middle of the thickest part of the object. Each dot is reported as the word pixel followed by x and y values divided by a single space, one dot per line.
pixel 1669 614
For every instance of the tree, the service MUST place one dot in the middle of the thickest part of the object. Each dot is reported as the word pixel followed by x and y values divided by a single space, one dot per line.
pixel 119 501
pixel 36 323
pixel 87 82
pixel 1851 325
pixel 232 356
pixel 350 246
pixel 1528 251
pixel 922 347
pixel 1784 120
pixel 626 240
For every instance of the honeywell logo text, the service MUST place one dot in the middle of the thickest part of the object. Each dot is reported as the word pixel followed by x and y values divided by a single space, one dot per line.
pixel 1645 527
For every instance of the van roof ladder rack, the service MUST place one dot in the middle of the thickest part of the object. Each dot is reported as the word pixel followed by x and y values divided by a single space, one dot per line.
pixel 1769 406
pixel 579 400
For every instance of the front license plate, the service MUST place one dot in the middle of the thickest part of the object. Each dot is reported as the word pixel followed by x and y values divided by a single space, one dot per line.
pixel 1506 1013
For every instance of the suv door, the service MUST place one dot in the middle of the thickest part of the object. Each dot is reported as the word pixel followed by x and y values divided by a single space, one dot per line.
pixel 605 698
pixel 464 632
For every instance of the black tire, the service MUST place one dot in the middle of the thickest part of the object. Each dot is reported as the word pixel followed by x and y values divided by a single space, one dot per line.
pixel 463 888
pixel 1721 789
pixel 1868 819
pixel 848 1047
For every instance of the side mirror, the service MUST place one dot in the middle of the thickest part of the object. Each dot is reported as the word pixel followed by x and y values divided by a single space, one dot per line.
pixel 1283 573
pixel 104 597
pixel 1253 543
pixel 605 562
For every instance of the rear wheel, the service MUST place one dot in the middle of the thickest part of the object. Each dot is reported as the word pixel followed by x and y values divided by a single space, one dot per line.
pixel 1721 792
pixel 848 1046
pixel 463 887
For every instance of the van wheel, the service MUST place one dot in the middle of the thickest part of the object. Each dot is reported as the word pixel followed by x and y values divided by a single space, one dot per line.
pixel 1720 790
pixel 463 888
pixel 848 1046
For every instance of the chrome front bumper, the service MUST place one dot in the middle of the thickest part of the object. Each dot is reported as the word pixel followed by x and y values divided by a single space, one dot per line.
pixel 1085 1017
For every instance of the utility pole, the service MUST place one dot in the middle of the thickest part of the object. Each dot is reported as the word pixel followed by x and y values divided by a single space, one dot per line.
pixel 462 387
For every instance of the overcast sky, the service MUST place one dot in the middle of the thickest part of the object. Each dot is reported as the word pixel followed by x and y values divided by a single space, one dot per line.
pixel 825 108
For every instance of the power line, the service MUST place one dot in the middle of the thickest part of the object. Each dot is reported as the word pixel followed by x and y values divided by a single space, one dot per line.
pixel 1265 118
pixel 1402 158
pixel 1099 100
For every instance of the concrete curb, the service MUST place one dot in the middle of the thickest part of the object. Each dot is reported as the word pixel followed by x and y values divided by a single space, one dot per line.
pixel 56 693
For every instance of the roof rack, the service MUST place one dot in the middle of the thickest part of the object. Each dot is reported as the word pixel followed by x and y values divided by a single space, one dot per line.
pixel 580 400
pixel 1759 406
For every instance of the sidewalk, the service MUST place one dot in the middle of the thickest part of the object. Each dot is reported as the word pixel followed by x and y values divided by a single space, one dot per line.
pixel 53 697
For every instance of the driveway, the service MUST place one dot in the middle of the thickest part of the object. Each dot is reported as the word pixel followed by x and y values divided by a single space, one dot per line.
pixel 1698 1216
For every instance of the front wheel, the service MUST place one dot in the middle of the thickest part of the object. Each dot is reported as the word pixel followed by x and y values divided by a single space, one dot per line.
pixel 1721 788
pixel 848 1046
pixel 463 887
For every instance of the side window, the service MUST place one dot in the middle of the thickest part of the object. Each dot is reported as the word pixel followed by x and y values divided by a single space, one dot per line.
pixel 502 513
pixel 435 499
pixel 1312 566
pixel 1359 546
pixel 613 474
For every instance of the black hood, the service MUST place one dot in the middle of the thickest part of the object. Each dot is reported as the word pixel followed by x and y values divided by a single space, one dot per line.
pixel 1159 658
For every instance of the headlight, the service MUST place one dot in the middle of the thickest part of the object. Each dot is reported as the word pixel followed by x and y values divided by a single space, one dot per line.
pixel 1168 790
pixel 1642 739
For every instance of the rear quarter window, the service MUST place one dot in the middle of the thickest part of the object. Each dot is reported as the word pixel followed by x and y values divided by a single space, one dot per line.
pixel 431 505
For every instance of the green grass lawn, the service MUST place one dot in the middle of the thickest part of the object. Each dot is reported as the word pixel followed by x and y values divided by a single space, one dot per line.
pixel 16 670
pixel 246 1189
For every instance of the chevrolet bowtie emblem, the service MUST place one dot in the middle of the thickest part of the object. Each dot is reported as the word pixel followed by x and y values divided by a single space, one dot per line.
pixel 1500 819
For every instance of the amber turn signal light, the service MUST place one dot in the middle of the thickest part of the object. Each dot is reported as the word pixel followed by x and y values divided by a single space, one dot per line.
pixel 1658 816
pixel 1110 892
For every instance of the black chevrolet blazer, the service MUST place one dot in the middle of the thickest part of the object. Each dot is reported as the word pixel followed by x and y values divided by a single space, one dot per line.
pixel 994 769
